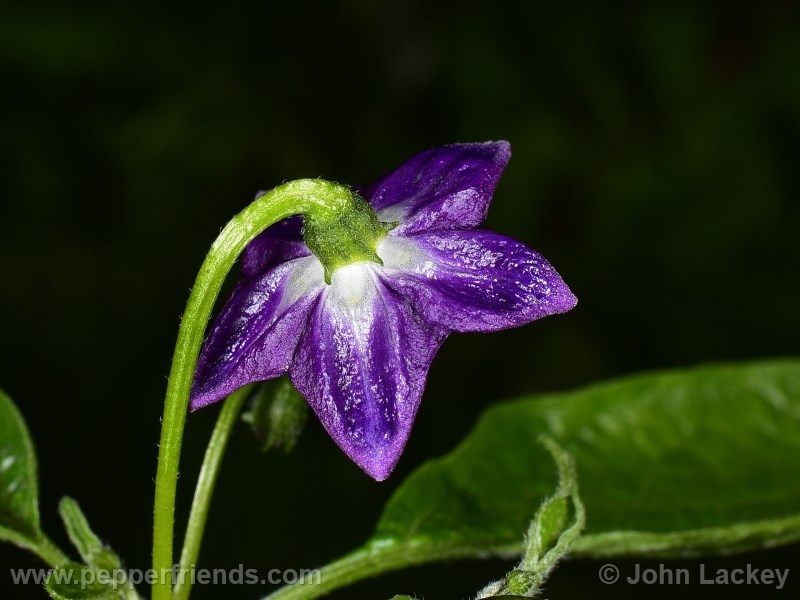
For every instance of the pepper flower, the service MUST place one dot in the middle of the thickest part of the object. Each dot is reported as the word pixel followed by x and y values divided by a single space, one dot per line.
pixel 356 325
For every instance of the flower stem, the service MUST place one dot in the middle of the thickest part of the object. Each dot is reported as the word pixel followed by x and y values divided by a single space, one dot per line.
pixel 205 489
pixel 296 197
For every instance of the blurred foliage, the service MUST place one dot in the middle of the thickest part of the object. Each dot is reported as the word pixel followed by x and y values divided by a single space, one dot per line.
pixel 655 164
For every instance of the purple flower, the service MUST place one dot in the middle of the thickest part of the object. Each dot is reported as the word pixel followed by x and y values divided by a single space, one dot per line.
pixel 359 349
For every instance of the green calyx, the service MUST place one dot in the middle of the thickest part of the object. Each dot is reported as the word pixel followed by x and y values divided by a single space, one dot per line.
pixel 346 234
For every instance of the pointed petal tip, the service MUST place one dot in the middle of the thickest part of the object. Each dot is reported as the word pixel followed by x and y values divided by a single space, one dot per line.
pixel 379 466
pixel 573 301
pixel 498 151
pixel 502 154
pixel 376 456
pixel 378 473
pixel 198 401
pixel 502 149
pixel 566 301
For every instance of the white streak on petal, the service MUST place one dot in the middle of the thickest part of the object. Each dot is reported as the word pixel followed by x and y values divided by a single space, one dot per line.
pixel 395 212
pixel 404 255
pixel 307 276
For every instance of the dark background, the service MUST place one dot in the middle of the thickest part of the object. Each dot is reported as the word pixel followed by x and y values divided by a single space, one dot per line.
pixel 655 165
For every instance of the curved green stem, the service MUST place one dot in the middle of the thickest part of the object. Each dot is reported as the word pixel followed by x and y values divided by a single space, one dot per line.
pixel 304 196
pixel 375 559
pixel 205 488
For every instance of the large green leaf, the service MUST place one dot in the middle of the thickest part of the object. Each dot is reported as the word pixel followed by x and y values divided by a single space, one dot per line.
pixel 19 508
pixel 703 461
pixel 706 460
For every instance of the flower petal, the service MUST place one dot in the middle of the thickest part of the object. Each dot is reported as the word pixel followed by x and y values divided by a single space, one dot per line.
pixel 473 280
pixel 442 188
pixel 362 365
pixel 280 242
pixel 255 336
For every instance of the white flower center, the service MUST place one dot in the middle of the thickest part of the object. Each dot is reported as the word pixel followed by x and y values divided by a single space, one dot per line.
pixel 352 284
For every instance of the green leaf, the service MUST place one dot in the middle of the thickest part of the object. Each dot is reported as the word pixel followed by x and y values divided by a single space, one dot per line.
pixel 693 462
pixel 278 414
pixel 72 581
pixel 701 461
pixel 19 488
pixel 19 508
pixel 92 550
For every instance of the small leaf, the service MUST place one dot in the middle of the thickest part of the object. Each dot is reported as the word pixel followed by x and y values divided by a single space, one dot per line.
pixel 92 550
pixel 278 414
pixel 552 518
pixel 549 524
pixel 550 536
pixel 19 508
pixel 72 581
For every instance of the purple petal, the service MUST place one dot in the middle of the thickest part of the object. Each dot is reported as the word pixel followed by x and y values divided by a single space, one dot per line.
pixel 278 243
pixel 362 365
pixel 442 188
pixel 257 332
pixel 473 280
